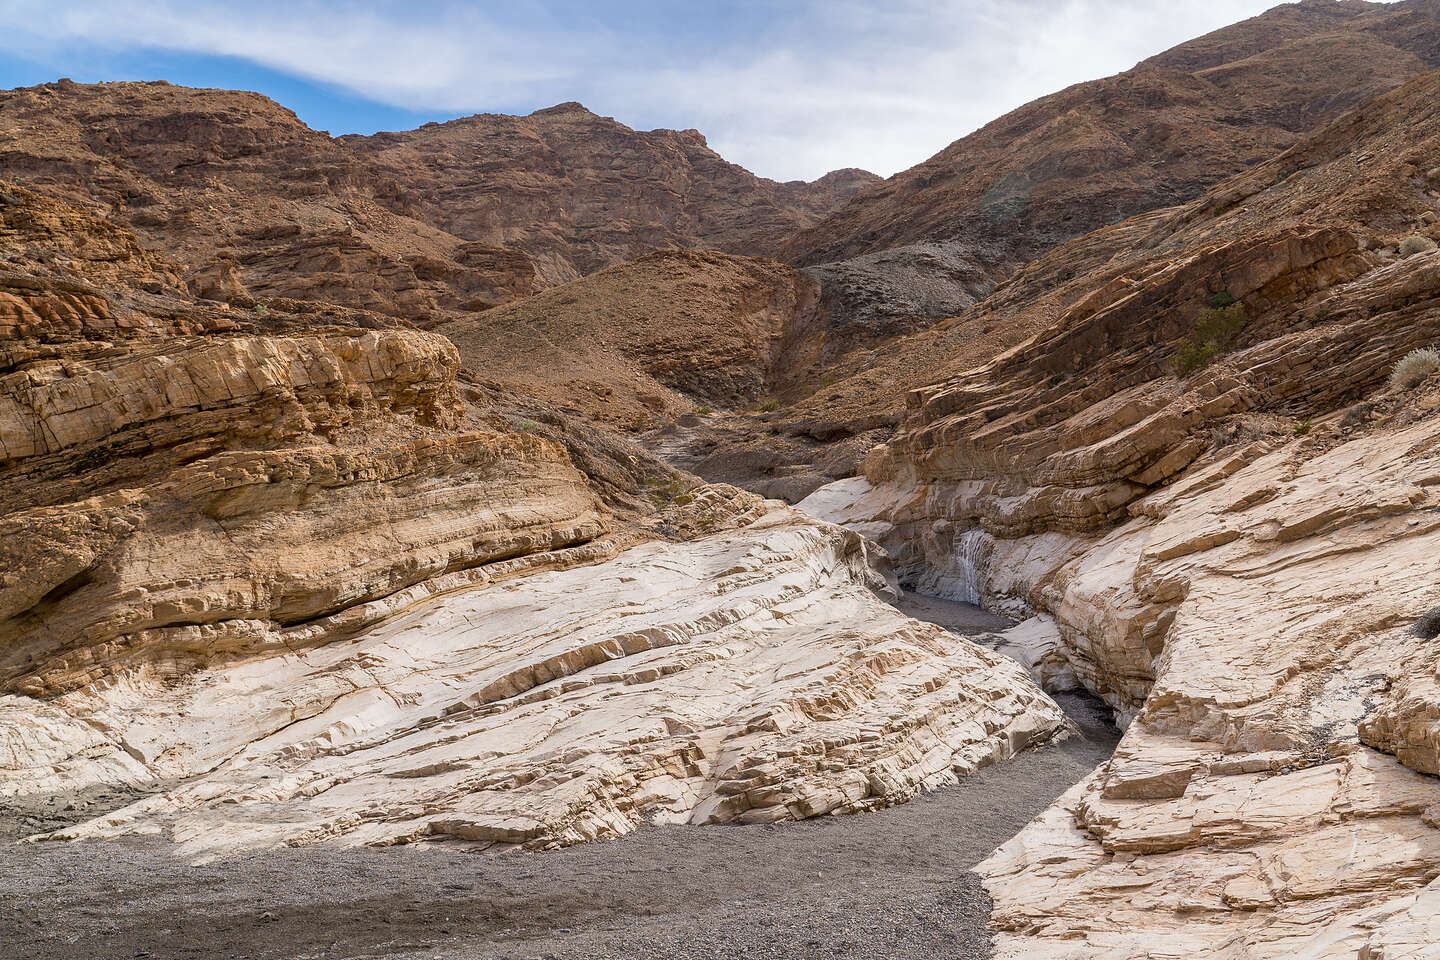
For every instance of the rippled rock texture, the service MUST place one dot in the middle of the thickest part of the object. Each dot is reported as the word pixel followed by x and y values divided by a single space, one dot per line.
pixel 753 675
pixel 1241 558
pixel 281 580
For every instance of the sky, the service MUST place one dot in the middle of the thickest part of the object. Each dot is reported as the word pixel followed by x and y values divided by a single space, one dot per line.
pixel 789 89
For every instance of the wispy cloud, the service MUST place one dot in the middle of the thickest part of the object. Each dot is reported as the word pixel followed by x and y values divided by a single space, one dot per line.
pixel 788 89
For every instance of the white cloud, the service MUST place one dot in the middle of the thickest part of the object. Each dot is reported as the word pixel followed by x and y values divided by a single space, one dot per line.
pixel 787 89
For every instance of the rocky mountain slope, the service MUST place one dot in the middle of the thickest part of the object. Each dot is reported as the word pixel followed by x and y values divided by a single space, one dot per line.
pixel 250 202
pixel 1199 483
pixel 245 199
pixel 1150 137
pixel 577 192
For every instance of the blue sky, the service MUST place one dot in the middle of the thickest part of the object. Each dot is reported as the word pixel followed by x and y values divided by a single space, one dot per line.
pixel 788 88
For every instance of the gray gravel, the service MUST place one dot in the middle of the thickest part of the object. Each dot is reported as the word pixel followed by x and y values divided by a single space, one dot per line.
pixel 893 883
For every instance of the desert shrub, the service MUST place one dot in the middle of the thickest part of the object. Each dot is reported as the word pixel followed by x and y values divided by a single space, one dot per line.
pixel 769 406
pixel 1214 334
pixel 1416 244
pixel 1304 426
pixel 1428 626
pixel 704 411
pixel 1357 416
pixel 526 426
pixel 1222 299
pixel 665 491
pixel 1414 367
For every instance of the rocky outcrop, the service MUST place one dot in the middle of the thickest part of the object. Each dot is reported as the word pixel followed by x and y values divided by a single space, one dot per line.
pixel 88 422
pixel 186 499
pixel 879 296
pixel 1260 803
pixel 279 573
pixel 1259 623
pixel 772 683
pixel 251 551
pixel 1236 552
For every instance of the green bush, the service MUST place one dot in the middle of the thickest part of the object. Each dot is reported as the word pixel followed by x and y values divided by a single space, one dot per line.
pixel 1416 244
pixel 704 411
pixel 1414 367
pixel 1222 299
pixel 665 491
pixel 769 406
pixel 1214 335
pixel 526 426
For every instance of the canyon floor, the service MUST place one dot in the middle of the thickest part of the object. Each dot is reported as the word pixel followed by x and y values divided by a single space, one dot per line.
pixel 894 882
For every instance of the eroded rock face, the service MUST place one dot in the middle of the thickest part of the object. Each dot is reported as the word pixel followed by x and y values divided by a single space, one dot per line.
pixel 236 553
pixel 752 675
pixel 1239 558
pixel 647 341
pixel 290 578
pixel 1254 623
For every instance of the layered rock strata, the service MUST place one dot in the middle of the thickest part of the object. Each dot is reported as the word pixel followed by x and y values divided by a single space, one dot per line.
pixel 1260 624
pixel 286 577
pixel 1239 556
pixel 752 675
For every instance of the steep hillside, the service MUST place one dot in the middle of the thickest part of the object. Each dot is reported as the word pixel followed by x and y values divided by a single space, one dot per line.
pixel 251 203
pixel 246 199
pixel 577 192
pixel 1151 137
pixel 656 337
pixel 1200 481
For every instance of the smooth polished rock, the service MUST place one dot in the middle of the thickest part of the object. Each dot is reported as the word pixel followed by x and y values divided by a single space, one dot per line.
pixel 753 675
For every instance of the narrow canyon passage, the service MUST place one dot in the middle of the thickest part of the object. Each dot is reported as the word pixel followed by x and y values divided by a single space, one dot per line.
pixel 893 882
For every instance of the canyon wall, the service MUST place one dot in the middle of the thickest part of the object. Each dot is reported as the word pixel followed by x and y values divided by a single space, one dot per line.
pixel 283 575
pixel 1210 504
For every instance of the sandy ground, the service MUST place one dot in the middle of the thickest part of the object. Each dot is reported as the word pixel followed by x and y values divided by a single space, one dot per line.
pixel 893 883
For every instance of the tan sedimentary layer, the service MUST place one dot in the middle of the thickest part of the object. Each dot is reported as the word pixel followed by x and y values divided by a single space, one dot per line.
pixel 211 560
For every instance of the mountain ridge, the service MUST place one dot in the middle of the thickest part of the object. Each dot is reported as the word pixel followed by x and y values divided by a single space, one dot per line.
pixel 1097 152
